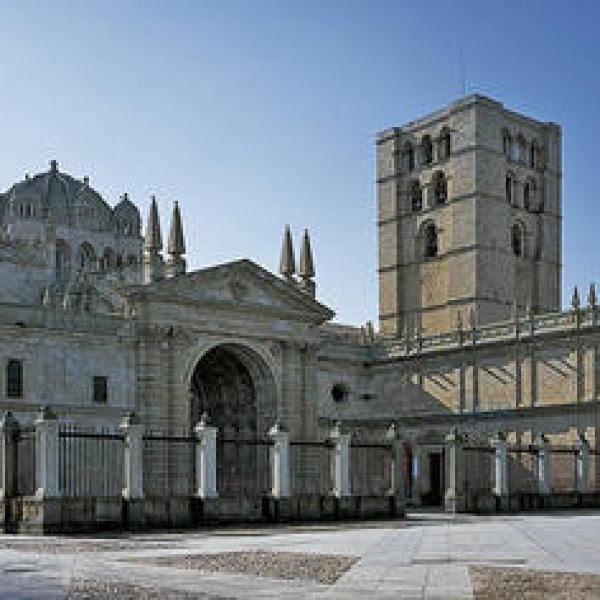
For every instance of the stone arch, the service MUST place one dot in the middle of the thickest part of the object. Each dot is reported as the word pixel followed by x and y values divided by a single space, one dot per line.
pixel 62 261
pixel 86 257
pixel 236 388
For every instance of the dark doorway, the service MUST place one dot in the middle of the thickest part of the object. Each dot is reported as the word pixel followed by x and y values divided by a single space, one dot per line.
pixel 434 497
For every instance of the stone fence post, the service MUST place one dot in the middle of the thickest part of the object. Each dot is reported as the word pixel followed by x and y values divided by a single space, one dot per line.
pixel 133 484
pixel 582 468
pixel 340 462
pixel 454 500
pixel 396 467
pixel 206 460
pixel 9 428
pixel 280 462
pixel 500 468
pixel 46 455
pixel 543 464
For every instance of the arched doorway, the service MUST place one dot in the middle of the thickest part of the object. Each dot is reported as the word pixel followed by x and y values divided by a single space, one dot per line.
pixel 234 386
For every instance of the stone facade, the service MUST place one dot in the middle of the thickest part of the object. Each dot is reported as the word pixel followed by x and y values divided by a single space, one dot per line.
pixel 101 324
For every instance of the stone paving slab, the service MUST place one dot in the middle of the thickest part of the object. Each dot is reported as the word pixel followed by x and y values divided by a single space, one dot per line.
pixel 429 556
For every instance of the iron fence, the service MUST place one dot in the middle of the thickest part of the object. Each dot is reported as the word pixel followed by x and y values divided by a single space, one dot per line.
pixel 25 448
pixel 243 467
pixel 522 469
pixel 563 469
pixel 90 462
pixel 478 471
pixel 370 469
pixel 311 469
pixel 169 466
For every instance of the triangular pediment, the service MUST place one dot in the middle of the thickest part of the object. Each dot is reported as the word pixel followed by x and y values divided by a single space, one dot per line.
pixel 239 286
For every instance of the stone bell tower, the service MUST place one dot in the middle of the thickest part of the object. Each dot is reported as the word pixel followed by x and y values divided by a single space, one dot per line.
pixel 469 218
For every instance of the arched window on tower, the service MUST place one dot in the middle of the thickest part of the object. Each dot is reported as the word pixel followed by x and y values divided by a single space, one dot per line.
pixel 444 144
pixel 526 195
pixel 519 150
pixel 427 150
pixel 509 189
pixel 533 155
pixel 440 189
pixel 517 240
pixel 408 156
pixel 416 196
pixel 430 241
pixel 62 261
pixel 506 143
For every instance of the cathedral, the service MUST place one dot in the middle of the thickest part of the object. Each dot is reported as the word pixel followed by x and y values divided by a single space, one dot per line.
pixel 100 324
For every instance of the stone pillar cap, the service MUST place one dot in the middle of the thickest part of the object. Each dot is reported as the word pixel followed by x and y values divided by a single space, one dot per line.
pixel 45 414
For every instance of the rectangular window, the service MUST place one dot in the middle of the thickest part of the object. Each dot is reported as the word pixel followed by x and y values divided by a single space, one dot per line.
pixel 100 389
pixel 14 379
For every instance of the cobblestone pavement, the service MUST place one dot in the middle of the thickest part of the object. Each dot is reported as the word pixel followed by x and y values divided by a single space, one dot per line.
pixel 322 568
pixel 507 584
pixel 426 556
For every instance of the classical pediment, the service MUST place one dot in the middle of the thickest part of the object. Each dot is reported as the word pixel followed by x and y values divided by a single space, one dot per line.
pixel 239 286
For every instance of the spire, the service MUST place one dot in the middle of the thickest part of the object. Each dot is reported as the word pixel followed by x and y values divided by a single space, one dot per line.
pixel 153 261
pixel 153 240
pixel 176 242
pixel 307 268
pixel 575 299
pixel 592 300
pixel 176 246
pixel 287 266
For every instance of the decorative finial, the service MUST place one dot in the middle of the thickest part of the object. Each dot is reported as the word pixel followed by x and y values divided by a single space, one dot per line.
pixel 176 264
pixel 153 240
pixel 86 180
pixel 287 265
pixel 176 245
pixel 592 300
pixel 307 267
pixel 54 166
pixel 575 303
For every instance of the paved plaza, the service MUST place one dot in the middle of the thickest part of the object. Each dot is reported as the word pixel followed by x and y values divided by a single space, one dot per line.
pixel 429 555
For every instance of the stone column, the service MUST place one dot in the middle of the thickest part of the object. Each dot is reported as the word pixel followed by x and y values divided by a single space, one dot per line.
pixel 340 462
pixel 582 470
pixel 396 493
pixel 46 455
pixel 133 488
pixel 543 465
pixel 207 496
pixel 280 462
pixel 454 500
pixel 500 469
pixel 47 517
pixel 206 460
pixel 9 428
pixel 133 470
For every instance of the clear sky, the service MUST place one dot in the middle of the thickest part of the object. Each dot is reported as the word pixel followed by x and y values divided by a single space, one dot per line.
pixel 257 113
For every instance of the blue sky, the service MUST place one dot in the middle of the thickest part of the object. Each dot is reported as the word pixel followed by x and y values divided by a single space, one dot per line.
pixel 257 113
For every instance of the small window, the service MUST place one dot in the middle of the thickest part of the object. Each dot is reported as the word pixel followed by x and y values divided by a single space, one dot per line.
pixel 416 197
pixel 427 149
pixel 509 190
pixel 445 144
pixel 431 241
pixel 14 379
pixel 339 392
pixel 526 195
pixel 440 189
pixel 532 156
pixel 100 389
pixel 517 241
pixel 506 144
pixel 409 156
